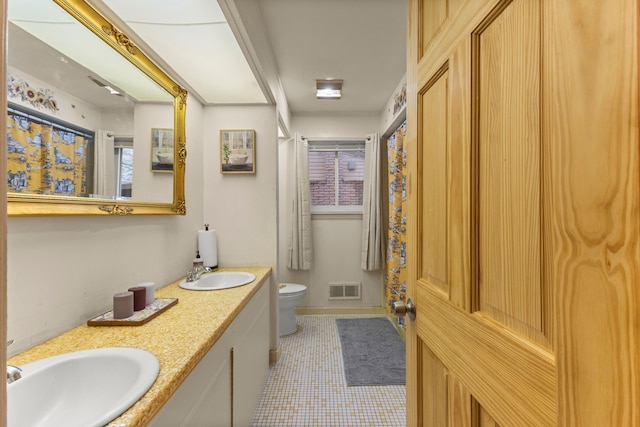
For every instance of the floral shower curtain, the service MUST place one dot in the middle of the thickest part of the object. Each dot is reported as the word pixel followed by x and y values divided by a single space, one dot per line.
pixel 44 158
pixel 395 283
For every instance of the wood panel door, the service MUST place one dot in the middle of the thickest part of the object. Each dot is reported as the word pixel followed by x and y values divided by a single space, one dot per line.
pixel 3 217
pixel 523 225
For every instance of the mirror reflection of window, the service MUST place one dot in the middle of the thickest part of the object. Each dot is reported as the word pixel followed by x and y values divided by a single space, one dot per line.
pixel 123 152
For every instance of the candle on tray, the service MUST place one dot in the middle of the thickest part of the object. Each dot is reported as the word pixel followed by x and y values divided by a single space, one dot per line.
pixel 123 305
pixel 149 292
pixel 139 297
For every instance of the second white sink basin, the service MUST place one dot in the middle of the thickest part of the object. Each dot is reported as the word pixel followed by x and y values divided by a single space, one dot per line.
pixel 84 388
pixel 219 280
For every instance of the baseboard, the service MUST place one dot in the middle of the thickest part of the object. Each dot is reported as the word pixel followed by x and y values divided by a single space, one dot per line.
pixel 274 356
pixel 340 310
pixel 401 331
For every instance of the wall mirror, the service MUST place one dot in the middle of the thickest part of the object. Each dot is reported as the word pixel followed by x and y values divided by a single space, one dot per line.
pixel 94 127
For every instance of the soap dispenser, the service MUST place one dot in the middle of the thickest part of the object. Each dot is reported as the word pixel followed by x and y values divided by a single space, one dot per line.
pixel 198 262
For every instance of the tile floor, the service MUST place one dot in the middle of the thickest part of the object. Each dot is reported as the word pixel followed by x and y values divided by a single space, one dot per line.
pixel 307 387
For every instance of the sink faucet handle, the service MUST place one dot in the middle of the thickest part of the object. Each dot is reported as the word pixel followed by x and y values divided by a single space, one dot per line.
pixel 13 373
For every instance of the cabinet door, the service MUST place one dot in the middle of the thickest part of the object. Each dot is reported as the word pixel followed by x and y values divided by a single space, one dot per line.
pixel 226 384
pixel 204 398
pixel 251 357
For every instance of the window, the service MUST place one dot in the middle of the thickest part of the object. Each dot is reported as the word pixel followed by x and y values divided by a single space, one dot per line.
pixel 336 176
pixel 123 151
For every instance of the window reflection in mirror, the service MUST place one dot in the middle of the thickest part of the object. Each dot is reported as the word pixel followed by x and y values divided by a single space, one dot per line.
pixel 62 74
pixel 123 160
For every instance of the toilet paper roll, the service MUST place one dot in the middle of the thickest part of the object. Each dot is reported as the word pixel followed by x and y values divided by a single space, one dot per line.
pixel 207 245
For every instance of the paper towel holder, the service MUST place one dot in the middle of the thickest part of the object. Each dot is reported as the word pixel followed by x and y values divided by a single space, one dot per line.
pixel 208 248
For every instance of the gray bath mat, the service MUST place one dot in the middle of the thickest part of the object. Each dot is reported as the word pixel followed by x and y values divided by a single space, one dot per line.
pixel 373 352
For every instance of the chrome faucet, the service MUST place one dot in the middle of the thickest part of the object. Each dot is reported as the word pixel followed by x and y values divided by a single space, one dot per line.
pixel 13 372
pixel 195 273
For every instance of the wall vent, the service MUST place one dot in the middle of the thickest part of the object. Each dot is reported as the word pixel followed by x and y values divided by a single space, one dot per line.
pixel 344 291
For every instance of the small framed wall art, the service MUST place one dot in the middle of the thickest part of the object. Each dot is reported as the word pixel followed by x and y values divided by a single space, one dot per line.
pixel 162 150
pixel 238 151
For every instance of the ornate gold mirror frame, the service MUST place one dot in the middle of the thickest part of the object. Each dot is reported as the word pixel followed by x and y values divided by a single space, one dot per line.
pixel 42 205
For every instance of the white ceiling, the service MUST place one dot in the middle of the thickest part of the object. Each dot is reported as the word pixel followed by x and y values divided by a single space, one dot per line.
pixel 193 38
pixel 64 63
pixel 359 41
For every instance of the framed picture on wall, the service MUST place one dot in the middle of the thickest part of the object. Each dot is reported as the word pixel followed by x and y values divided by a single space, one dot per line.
pixel 161 150
pixel 238 151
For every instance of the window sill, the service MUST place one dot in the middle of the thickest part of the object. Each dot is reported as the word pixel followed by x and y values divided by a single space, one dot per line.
pixel 336 215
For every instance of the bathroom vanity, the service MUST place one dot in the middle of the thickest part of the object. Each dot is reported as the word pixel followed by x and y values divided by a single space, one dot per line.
pixel 213 349
pixel 224 388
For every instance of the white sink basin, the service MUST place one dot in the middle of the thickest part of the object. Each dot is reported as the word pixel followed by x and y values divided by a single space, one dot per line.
pixel 219 280
pixel 83 388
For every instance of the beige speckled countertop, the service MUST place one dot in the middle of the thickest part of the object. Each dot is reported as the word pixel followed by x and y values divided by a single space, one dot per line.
pixel 178 337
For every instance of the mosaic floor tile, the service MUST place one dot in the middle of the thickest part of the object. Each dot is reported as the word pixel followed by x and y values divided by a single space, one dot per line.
pixel 306 388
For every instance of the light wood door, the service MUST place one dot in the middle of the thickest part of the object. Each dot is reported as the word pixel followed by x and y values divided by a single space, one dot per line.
pixel 3 217
pixel 524 220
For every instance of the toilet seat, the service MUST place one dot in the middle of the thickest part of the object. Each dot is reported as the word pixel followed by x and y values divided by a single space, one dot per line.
pixel 291 289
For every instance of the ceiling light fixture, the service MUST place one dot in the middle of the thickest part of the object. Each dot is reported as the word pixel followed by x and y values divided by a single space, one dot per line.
pixel 328 89
pixel 111 90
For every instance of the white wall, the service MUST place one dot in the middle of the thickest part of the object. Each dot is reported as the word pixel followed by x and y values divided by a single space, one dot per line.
pixel 336 238
pixel 393 112
pixel 151 186
pixel 63 271
pixel 243 208
pixel 245 19
pixel 120 124
pixel 70 108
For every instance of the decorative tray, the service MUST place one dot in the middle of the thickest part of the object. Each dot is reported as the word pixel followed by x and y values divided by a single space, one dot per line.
pixel 139 317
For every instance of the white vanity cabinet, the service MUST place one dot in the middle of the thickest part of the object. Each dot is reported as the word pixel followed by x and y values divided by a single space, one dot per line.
pixel 223 390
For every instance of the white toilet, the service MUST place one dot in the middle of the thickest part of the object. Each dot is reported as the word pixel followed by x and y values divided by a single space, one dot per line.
pixel 289 296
